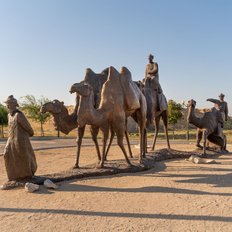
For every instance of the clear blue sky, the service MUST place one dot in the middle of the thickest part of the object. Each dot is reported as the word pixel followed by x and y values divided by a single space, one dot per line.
pixel 46 45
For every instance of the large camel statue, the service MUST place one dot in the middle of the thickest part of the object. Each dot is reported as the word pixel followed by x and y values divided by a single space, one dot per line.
pixel 65 122
pixel 139 115
pixel 113 109
pixel 207 126
pixel 149 88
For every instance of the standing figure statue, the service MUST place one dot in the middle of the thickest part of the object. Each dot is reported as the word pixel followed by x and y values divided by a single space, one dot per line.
pixel 20 161
pixel 221 110
pixel 223 107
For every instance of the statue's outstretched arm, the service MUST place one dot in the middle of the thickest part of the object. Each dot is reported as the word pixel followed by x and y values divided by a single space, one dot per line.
pixel 215 101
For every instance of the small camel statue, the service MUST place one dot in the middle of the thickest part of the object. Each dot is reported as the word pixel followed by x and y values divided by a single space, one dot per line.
pixel 66 122
pixel 111 113
pixel 207 127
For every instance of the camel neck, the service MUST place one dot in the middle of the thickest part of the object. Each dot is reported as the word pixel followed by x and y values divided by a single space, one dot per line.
pixel 87 114
pixel 65 122
pixel 192 117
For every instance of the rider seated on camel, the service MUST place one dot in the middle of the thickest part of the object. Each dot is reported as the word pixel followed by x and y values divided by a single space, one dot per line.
pixel 152 71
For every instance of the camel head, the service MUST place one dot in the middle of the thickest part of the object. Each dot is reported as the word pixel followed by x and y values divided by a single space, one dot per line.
pixel 191 103
pixel 53 107
pixel 82 88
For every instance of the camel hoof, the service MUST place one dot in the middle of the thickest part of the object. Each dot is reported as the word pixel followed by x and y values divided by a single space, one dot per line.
pixel 99 166
pixel 130 165
pixel 203 155
pixel 76 166
pixel 199 146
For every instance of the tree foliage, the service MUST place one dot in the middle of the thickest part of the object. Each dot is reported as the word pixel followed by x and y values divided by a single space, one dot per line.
pixel 32 107
pixel 3 118
pixel 228 124
pixel 174 113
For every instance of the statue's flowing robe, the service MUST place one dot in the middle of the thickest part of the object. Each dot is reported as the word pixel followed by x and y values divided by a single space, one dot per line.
pixel 224 110
pixel 20 161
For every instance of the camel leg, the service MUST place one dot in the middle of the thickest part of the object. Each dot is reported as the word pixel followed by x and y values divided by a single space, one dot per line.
pixel 80 131
pixel 94 131
pixel 165 123
pixel 205 135
pixel 143 142
pixel 120 130
pixel 128 144
pixel 199 137
pixel 224 143
pixel 109 145
pixel 157 120
pixel 105 131
pixel 121 145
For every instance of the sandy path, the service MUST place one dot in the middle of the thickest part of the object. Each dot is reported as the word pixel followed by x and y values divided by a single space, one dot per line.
pixel 174 196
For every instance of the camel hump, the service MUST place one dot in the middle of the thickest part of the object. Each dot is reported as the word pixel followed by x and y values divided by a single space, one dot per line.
pixel 130 92
pixel 105 72
pixel 89 71
pixel 113 73
pixel 90 75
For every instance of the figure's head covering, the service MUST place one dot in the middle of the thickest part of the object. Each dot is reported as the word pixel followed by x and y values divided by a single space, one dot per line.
pixel 150 56
pixel 221 95
pixel 11 100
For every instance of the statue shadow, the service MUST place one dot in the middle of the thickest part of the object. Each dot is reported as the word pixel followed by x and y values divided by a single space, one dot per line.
pixel 218 181
pixel 71 187
pixel 119 214
pixel 214 178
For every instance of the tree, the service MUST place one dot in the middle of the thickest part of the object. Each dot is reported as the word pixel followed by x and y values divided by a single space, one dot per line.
pixel 174 113
pixel 228 124
pixel 3 118
pixel 32 107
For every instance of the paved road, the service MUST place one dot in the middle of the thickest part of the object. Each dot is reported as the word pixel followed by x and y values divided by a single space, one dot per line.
pixel 50 143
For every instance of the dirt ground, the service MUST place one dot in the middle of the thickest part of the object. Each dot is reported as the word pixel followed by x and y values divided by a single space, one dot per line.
pixel 174 196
